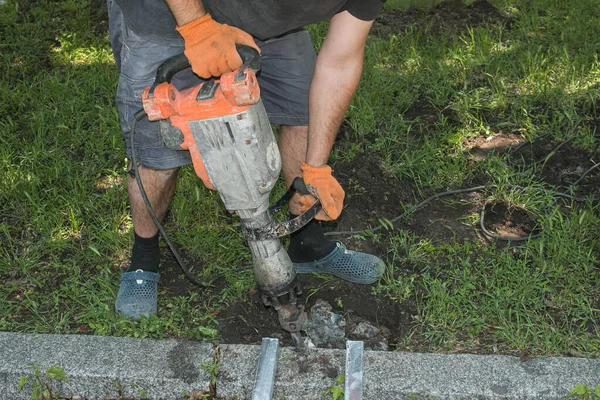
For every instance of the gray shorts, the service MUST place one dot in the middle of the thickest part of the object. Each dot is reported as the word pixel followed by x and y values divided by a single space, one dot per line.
pixel 287 68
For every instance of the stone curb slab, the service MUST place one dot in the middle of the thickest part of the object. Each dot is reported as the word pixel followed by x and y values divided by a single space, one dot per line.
pixel 467 376
pixel 95 365
pixel 165 369
pixel 307 374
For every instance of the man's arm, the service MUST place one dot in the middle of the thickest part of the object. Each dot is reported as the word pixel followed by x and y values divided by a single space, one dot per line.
pixel 336 77
pixel 186 11
pixel 337 73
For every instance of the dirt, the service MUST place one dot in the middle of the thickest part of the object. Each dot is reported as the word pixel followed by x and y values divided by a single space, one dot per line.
pixel 373 195
pixel 560 164
pixel 452 15
pixel 251 321
pixel 481 147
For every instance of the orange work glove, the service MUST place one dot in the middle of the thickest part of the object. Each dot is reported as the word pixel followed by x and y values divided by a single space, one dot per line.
pixel 322 185
pixel 210 46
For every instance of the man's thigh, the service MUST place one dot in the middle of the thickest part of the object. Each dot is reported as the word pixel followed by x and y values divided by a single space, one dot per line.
pixel 288 64
pixel 137 60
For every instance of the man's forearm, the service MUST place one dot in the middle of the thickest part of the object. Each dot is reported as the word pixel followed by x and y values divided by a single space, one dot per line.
pixel 336 77
pixel 186 11
pixel 331 92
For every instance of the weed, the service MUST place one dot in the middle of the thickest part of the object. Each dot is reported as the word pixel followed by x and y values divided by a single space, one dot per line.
pixel 336 391
pixel 41 382
pixel 213 370
pixel 584 392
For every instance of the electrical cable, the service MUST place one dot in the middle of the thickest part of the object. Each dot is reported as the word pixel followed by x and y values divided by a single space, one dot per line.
pixel 501 237
pixel 483 208
pixel 410 210
pixel 582 177
pixel 520 146
pixel 454 192
pixel 553 152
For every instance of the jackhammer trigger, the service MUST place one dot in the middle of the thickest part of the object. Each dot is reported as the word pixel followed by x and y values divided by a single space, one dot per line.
pixel 281 229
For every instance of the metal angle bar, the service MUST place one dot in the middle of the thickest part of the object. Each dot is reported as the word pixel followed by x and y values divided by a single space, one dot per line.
pixel 353 388
pixel 267 368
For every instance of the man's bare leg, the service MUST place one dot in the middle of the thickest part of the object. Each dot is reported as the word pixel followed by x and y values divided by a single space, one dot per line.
pixel 160 187
pixel 138 292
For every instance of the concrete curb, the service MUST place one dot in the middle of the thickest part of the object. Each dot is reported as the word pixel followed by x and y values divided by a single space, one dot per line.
pixel 166 369
pixel 95 365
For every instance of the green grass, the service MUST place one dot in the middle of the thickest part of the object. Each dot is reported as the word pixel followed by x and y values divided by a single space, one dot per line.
pixel 426 93
pixel 538 77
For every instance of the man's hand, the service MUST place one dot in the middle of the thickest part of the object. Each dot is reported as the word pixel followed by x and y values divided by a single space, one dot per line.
pixel 210 46
pixel 323 186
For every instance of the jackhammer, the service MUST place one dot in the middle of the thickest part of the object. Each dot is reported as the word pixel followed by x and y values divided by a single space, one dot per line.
pixel 223 124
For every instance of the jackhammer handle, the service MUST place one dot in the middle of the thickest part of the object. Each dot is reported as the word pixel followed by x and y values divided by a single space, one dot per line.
pixel 169 68
pixel 250 58
pixel 288 227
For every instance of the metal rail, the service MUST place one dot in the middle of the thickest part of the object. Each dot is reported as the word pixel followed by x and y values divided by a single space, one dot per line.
pixel 353 388
pixel 267 368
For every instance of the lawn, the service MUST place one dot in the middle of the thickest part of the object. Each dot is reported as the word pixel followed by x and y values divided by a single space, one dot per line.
pixel 498 97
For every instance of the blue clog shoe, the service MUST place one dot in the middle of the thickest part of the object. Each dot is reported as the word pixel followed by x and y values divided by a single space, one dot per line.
pixel 138 294
pixel 349 265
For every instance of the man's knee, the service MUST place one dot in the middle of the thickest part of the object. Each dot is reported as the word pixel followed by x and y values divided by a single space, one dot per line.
pixel 156 175
pixel 166 175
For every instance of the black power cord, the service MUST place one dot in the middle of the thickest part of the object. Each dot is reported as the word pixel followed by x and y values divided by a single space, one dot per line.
pixel 436 196
pixel 410 210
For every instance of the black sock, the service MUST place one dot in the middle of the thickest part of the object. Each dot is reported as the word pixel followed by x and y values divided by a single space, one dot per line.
pixel 309 243
pixel 145 254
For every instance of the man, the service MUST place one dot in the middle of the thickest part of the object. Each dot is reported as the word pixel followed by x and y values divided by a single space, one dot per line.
pixel 306 95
